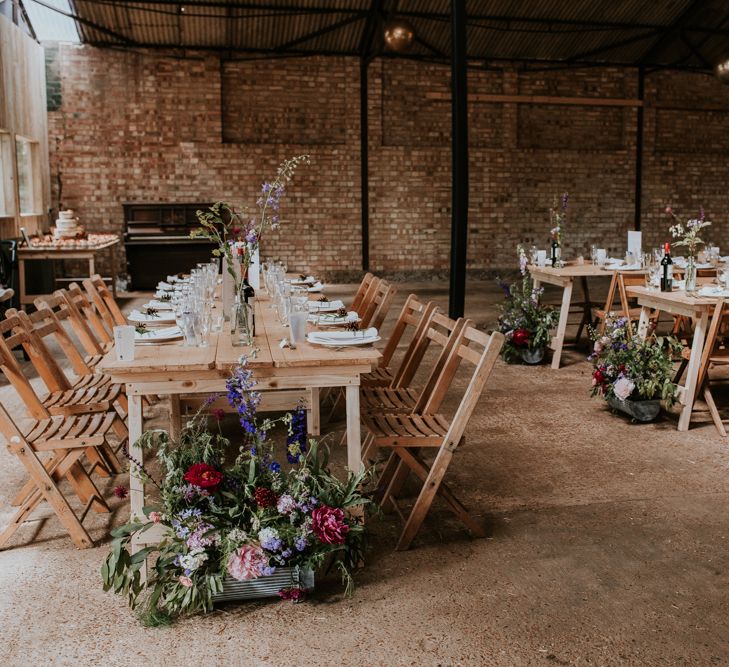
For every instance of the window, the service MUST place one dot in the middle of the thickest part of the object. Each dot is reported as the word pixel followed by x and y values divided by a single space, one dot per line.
pixel 7 191
pixel 29 187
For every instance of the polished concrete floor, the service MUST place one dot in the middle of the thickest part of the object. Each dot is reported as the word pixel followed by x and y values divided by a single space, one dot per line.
pixel 608 545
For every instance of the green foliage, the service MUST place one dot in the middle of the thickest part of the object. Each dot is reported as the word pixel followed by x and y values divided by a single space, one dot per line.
pixel 525 323
pixel 628 366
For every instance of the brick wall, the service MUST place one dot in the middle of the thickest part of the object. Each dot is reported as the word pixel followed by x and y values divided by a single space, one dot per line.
pixel 148 127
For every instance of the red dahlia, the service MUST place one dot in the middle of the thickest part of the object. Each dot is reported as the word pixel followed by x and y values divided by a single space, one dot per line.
pixel 520 337
pixel 265 497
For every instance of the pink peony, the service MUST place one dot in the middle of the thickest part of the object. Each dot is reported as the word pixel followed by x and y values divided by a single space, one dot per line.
pixel 185 581
pixel 328 524
pixel 246 563
pixel 155 517
pixel 623 388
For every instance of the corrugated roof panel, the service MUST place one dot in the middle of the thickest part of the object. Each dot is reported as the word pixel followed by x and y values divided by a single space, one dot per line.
pixel 556 30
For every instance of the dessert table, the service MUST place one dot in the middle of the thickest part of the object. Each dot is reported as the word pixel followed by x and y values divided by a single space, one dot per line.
pixel 679 303
pixel 174 369
pixel 60 251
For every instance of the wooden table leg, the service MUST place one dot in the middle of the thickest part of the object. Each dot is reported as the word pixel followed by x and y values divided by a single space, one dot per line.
pixel 136 485
pixel 175 418
pixel 692 371
pixel 354 444
pixel 645 317
pixel 564 313
pixel 21 283
pixel 314 411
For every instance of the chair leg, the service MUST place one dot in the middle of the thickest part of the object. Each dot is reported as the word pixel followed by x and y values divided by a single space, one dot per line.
pixel 47 489
pixel 709 398
pixel 336 401
pixel 432 485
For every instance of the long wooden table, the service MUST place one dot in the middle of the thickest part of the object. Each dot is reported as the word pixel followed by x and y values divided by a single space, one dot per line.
pixel 679 303
pixel 174 370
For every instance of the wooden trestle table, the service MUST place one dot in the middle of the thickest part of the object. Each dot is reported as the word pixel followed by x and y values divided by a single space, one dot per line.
pixel 679 303
pixel 174 370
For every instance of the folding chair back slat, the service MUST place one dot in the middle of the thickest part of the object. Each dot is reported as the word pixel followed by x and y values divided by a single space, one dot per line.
pixel 102 298
pixel 362 290
pixel 78 298
pixel 11 368
pixel 481 350
pixel 380 305
pixel 411 315
pixel 43 324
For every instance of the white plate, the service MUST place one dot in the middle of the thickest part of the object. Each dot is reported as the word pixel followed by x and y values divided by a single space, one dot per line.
pixel 623 267
pixel 316 288
pixel 325 306
pixel 158 335
pixel 158 305
pixel 162 317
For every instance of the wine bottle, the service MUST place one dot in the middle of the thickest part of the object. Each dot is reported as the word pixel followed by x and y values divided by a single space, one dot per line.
pixel 249 294
pixel 555 252
pixel 667 264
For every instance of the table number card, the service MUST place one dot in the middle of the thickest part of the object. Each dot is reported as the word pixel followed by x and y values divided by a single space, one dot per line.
pixel 635 244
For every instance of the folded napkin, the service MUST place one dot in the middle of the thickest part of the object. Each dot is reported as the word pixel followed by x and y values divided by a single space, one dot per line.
pixel 318 287
pixel 162 316
pixel 351 316
pixel 162 285
pixel 168 333
pixel 339 336
pixel 326 305
pixel 309 280
pixel 158 305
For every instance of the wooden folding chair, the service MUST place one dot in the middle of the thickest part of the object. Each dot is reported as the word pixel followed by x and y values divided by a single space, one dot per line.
pixel 65 440
pixel 67 309
pixel 104 301
pixel 63 399
pixel 377 304
pixel 414 314
pixel 362 290
pixel 401 396
pixel 409 436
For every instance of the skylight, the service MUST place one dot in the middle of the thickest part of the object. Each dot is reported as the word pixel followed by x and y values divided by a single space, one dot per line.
pixel 50 25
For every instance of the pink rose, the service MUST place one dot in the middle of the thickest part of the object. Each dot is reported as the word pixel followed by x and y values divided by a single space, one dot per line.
pixel 155 517
pixel 328 524
pixel 185 581
pixel 669 210
pixel 248 562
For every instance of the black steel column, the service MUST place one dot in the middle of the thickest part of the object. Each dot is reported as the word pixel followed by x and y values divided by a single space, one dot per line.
pixel 459 138
pixel 639 149
pixel 364 161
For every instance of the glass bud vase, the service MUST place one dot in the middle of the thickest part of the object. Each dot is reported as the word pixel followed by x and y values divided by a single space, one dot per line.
pixel 690 276
pixel 241 323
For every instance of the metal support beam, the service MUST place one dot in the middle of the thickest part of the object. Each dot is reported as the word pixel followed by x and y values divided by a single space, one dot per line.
pixel 459 138
pixel 639 151
pixel 364 160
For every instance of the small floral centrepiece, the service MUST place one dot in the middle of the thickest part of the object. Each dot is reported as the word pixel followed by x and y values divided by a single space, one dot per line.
pixel 238 238
pixel 688 233
pixel 236 512
pixel 525 323
pixel 558 217
pixel 628 367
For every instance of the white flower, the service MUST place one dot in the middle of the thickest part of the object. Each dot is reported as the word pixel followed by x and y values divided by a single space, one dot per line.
pixel 237 535
pixel 193 560
pixel 623 387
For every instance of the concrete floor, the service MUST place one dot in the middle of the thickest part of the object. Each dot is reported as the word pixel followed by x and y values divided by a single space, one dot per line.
pixel 609 545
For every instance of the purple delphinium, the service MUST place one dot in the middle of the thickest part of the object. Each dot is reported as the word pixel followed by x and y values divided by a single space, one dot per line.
pixel 296 438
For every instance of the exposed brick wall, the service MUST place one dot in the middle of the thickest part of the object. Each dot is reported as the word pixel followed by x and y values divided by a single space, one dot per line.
pixel 149 127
